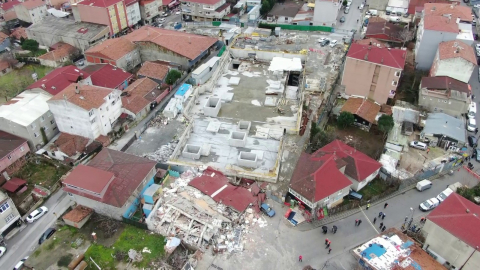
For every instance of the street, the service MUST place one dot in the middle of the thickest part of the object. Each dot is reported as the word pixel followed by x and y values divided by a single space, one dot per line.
pixel 26 241
pixel 353 19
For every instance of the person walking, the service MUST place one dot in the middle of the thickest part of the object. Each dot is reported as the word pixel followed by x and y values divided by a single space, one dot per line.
pixel 374 220
pixel 380 214
pixel 406 218
pixel 428 150
pixel 381 225
pixel 383 216
pixel 300 258
pixel 329 250
pixel 385 205
pixel 383 228
pixel 326 241
pixel 359 221
pixel 328 244
pixel 334 229
pixel 356 222
pixel 368 206
pixel 476 131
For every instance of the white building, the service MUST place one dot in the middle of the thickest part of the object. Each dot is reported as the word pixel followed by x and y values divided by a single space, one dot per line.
pixel 454 59
pixel 205 71
pixel 149 10
pixel 204 10
pixel 86 110
pixel 398 7
pixel 452 234
pixel 27 116
pixel 441 22
pixel 8 214
pixel 133 12
pixel 326 12
pixel 31 11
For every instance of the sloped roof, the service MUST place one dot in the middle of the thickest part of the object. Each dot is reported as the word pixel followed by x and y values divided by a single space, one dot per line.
pixel 418 5
pixel 62 50
pixel 185 44
pixel 445 83
pixel 57 80
pixel 89 178
pixel 362 107
pixel 153 70
pixel 460 217
pixel 71 144
pixel 456 48
pixel 443 17
pixel 3 36
pixel 18 33
pixel 394 58
pixel 441 123
pixel 113 49
pixel 107 75
pixel 88 96
pixel 9 142
pixel 384 28
pixel 9 5
pixel 78 214
pixel 31 4
pixel 371 42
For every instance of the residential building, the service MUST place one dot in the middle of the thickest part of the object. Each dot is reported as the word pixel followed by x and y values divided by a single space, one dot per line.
pixel 109 76
pixel 31 11
pixel 454 59
pixel 142 95
pixel 394 250
pixel 111 183
pixel 372 42
pixel 284 12
pixel 111 13
pixel 372 72
pixel 19 33
pixel 7 7
pixel 326 12
pixel 133 12
pixel 172 46
pixel 384 31
pixel 304 15
pixel 323 178
pixel 445 131
pixel 119 52
pixel 4 41
pixel 59 54
pixel 6 66
pixel 441 22
pixel 365 111
pixel 204 10
pixel 452 235
pixel 149 11
pixel 9 215
pixel 397 7
pixel 81 35
pixel 86 110
pixel 28 117
pixel 155 71
pixel 444 94
pixel 57 80
pixel 13 150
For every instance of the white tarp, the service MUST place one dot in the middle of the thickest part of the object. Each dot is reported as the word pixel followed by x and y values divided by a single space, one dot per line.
pixel 57 13
pixel 285 64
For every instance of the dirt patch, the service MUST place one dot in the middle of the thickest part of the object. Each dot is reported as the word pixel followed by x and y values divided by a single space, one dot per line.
pixel 369 143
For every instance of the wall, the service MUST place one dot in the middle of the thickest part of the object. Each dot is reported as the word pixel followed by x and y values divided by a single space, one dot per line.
pixel 441 103
pixel 152 52
pixel 11 212
pixel 130 60
pixel 151 9
pixel 16 154
pixel 356 185
pixel 325 12
pixel 448 246
pixel 264 55
pixel 204 12
pixel 37 14
pixel 48 39
pixel 456 68
pixel 131 209
pixel 427 45
pixel 358 75
pixel 133 14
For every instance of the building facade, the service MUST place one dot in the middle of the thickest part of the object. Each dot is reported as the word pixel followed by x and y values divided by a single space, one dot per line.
pixel 204 10
pixel 133 12
pixel 149 10
pixel 32 11
pixel 454 59
pixel 119 52
pixel 9 215
pixel 111 13
pixel 13 150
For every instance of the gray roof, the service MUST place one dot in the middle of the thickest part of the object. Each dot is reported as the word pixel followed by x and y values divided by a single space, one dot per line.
pixel 67 28
pixel 444 124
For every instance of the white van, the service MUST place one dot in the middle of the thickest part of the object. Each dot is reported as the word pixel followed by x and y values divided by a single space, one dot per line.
pixel 429 204
pixel 471 124
pixel 423 185
pixel 472 110
pixel 372 12
pixel 442 196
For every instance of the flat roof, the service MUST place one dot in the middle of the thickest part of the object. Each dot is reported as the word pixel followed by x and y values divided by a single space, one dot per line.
pixel 26 107
pixel 67 28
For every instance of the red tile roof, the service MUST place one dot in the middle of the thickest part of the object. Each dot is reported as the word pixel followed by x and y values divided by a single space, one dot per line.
pixel 88 96
pixel 18 33
pixel 6 64
pixel 206 2
pixel 135 103
pixel 89 178
pixel 185 44
pixel 10 142
pixel 456 48
pixel 78 214
pixel 418 5
pixel 214 182
pixel 9 5
pixel 362 107
pixel 460 217
pixel 71 144
pixel 445 83
pixel 371 42
pixel 384 30
pixel 129 171
pixel 435 16
pixel 57 80
pixel 98 3
pixel 113 49
pixel 3 36
pixel 14 184
pixel 31 4
pixel 136 99
pixel 394 58
pixel 153 70
pixel 109 76
pixel 62 50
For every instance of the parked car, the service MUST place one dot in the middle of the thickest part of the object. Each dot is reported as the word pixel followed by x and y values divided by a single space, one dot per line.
pixel 46 235
pixel 178 13
pixel 418 145
pixel 321 39
pixel 442 196
pixel 325 42
pixel 333 43
pixel 36 214
pixel 472 141
pixel 471 124
pixel 347 9
pixel 342 19
pixel 267 210
pixel 429 204
pixel 476 154
pixel 361 6
pixel 20 264
pixel 2 250
pixel 423 185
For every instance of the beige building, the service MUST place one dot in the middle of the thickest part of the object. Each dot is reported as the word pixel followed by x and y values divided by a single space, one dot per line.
pixel 205 10
pixel 31 11
pixel 372 72
pixel 8 214
pixel 454 59
pixel 452 233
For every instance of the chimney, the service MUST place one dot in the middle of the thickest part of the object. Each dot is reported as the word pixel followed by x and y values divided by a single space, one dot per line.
pixel 77 91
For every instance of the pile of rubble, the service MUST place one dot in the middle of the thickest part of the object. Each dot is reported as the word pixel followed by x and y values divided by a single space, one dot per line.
pixel 159 121
pixel 163 153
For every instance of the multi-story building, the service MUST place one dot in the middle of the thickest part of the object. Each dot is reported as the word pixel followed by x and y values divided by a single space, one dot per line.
pixel 9 214
pixel 106 12
pixel 149 10
pixel 13 150
pixel 27 116
pixel 454 59
pixel 120 52
pixel 204 10
pixel 7 10
pixel 441 22
pixel 372 72
pixel 133 12
pixel 86 110
pixel 326 12
pixel 31 11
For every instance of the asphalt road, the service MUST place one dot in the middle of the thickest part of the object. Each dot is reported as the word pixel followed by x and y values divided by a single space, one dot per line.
pixel 351 18
pixel 26 241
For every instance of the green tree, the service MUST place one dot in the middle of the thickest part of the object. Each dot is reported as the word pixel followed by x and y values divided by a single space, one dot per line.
pixel 30 45
pixel 345 119
pixel 265 8
pixel 321 137
pixel 173 76
pixel 385 123
pixel 344 3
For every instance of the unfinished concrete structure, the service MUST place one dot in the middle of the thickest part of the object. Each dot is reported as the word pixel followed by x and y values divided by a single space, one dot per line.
pixel 212 107
pixel 191 151
pixel 238 139
pixel 247 159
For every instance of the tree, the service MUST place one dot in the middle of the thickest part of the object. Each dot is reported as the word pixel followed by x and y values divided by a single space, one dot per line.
pixel 173 76
pixel 345 119
pixel 405 36
pixel 345 3
pixel 30 45
pixel 265 8
pixel 385 123
pixel 321 137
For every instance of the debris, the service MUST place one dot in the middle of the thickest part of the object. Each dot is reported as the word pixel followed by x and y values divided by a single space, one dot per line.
pixel 163 153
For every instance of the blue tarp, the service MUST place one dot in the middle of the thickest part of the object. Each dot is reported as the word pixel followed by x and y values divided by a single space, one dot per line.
pixel 183 89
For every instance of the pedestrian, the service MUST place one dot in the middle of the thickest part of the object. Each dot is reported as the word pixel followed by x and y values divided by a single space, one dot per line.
pixel 385 205
pixel 357 20
pixel 329 250
pixel 368 206
pixel 374 220
pixel 476 131
pixel 380 214
pixel 406 218
pixel 428 150
pixel 381 225
pixel 359 221
pixel 328 244
pixel 356 222
pixel 334 228
pixel 300 258
pixel 383 216
pixel 326 241
pixel 383 228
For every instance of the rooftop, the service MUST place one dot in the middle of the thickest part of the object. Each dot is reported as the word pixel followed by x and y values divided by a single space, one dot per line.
pixel 418 5
pixel 394 58
pixel 71 144
pixel 384 28
pixel 26 107
pixel 113 49
pixel 129 171
pixel 19 32
pixel 6 64
pixel 456 48
pixel 62 50
pixel 362 107
pixel 9 5
pixel 443 17
pixel 445 83
pixel 153 70
pixel 140 94
pixel 78 214
pixel 184 44
pixel 31 4
pixel 98 3
pixel 69 28
pixel 287 9
pixel 371 42
pixel 460 217
pixel 9 143
pixel 84 96
pixel 89 178
pixel 207 2
pixel 3 36
pixel 441 123
pixel 57 80
pixel 107 75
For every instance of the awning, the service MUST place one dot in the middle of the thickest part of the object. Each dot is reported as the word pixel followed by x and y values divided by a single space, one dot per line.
pixel 14 184
pixel 312 5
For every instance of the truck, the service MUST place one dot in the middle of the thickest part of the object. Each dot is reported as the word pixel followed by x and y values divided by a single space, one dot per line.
pixel 267 210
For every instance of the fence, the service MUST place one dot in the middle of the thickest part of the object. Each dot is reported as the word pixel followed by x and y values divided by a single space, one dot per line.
pixel 296 27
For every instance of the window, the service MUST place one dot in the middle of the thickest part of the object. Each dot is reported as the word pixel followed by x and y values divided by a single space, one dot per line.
pixel 93 121
pixel 4 207
pixel 42 118
pixel 113 102
pixel 33 126
pixel 35 135
pixel 9 157
pixel 55 128
pixel 9 217
pixel 70 194
pixel 22 149
pixel 90 113
pixel 45 129
pixel 397 74
pixel 394 83
pixel 52 122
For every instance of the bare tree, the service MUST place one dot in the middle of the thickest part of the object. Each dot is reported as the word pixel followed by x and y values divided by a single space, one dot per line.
pixel 405 35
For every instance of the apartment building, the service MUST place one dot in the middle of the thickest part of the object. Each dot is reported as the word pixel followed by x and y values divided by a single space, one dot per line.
pixel 204 10
pixel 32 11
pixel 149 10
pixel 133 12
pixel 111 13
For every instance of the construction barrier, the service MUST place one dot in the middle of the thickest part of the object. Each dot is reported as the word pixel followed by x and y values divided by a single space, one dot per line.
pixel 297 27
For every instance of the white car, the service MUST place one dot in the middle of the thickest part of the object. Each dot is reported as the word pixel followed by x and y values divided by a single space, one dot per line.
pixel 476 6
pixel 321 39
pixel 418 145
pixel 36 214
pixel 333 43
pixel 477 46
pixel 178 13
pixel 2 250
pixel 429 204
pixel 162 20
pixel 20 264
pixel 471 124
